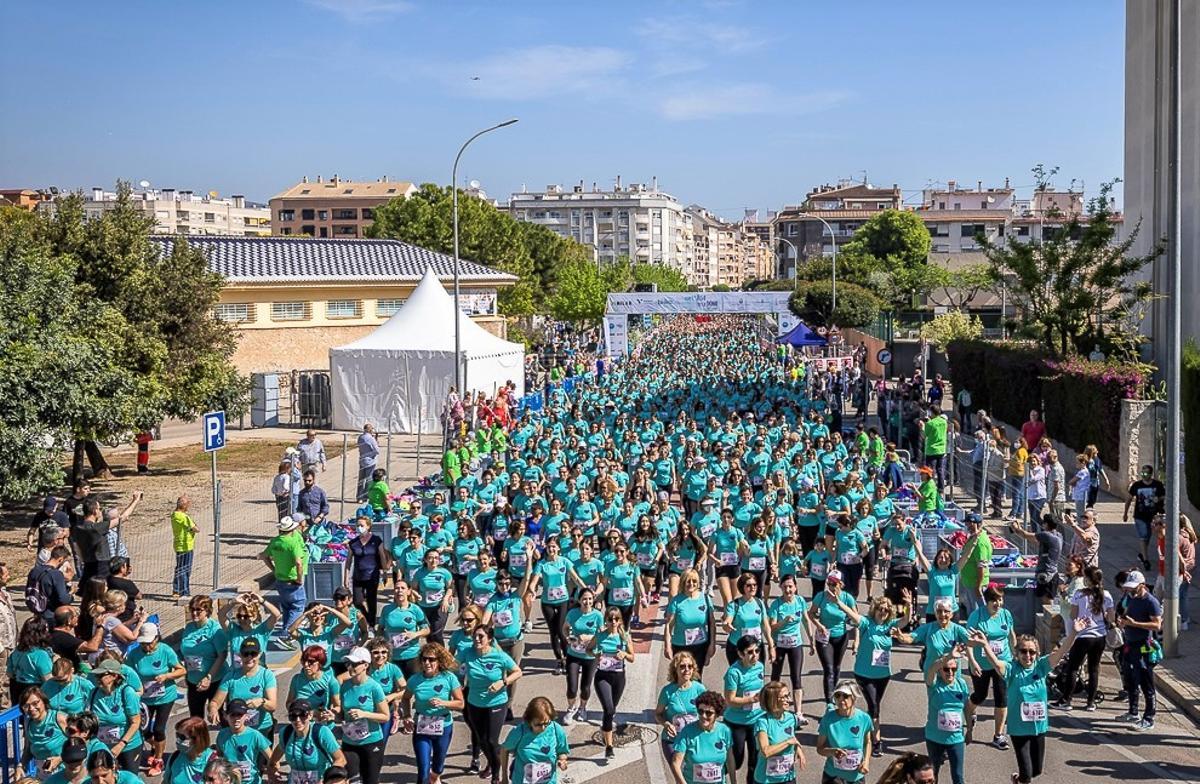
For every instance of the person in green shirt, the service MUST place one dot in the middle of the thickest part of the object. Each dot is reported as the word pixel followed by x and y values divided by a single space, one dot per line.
pixel 183 539
pixel 287 557
pixel 929 496
pixel 975 567
pixel 935 443
pixel 378 494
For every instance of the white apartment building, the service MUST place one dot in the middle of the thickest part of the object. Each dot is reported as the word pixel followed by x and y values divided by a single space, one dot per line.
pixel 185 212
pixel 637 220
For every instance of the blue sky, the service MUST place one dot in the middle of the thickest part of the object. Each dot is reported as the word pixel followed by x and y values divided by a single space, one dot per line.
pixel 730 104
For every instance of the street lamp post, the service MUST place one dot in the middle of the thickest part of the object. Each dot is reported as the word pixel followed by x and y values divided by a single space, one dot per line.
pixel 833 237
pixel 796 266
pixel 454 199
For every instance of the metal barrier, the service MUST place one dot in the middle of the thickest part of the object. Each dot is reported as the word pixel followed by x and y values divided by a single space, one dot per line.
pixel 10 746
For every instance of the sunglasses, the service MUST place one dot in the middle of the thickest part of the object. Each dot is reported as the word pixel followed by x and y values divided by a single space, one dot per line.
pixel 1025 651
pixel 428 659
pixel 706 712
pixel 311 661
pixel 950 669
pixel 243 617
pixel 293 716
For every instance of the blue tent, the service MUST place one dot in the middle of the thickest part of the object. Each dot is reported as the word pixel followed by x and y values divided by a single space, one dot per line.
pixel 801 335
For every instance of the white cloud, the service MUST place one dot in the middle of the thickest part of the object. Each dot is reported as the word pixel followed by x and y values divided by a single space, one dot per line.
pixel 683 32
pixel 363 10
pixel 540 72
pixel 706 102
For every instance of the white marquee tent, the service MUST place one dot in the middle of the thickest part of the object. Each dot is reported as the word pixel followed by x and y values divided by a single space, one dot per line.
pixel 397 377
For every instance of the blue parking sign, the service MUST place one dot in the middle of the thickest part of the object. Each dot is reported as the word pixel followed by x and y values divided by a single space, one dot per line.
pixel 214 431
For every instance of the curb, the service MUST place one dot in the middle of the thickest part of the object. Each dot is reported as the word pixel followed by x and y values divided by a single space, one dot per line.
pixel 1172 688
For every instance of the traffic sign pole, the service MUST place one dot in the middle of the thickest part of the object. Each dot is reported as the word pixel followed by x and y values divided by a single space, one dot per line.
pixel 214 440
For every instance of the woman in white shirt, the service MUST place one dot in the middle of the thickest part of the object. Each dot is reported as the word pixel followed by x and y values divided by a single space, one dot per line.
pixel 1035 487
pixel 1092 613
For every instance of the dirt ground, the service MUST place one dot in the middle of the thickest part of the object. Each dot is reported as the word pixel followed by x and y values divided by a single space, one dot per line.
pixel 245 468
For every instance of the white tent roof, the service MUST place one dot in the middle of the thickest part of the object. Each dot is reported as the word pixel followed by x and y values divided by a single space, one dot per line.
pixel 426 323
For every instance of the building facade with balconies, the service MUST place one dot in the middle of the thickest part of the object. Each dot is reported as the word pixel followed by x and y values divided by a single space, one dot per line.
pixel 798 236
pixel 186 212
pixel 334 208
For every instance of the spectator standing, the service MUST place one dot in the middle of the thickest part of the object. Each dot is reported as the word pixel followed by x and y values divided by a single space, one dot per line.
pixel 1080 484
pixel 64 642
pixel 313 502
pixel 1056 493
pixel 1049 542
pixel 45 588
pixel 1096 474
pixel 1146 496
pixel 116 519
pixel 119 572
pixel 1034 430
pixel 281 488
pixel 1086 542
pixel 963 398
pixel 1017 458
pixel 49 516
pixel 368 458
pixel 287 558
pixel 183 541
pixel 8 629
pixel 935 444
pixel 90 538
pixel 312 452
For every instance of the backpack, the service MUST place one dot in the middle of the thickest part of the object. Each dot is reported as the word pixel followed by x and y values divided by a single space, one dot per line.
pixel 35 595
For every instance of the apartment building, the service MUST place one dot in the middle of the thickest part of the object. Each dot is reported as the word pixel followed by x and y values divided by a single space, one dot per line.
pixel 187 212
pixel 333 208
pixel 955 216
pixel 636 220
pixel 26 199
pixel 798 235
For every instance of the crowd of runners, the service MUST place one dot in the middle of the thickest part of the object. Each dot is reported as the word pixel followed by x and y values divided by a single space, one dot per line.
pixel 706 476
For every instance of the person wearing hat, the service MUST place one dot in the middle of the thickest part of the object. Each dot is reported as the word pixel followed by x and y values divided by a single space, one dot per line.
pixel 73 756
pixel 828 613
pixel 336 775
pixel 365 709
pixel 119 710
pixel 50 515
pixel 244 747
pixel 159 668
pixel 253 685
pixel 287 558
pixel 1140 617
pixel 929 497
pixel 281 486
pixel 309 747
pixel 102 768
pixel 844 737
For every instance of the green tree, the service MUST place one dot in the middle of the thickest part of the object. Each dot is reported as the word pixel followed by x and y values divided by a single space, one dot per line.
pixel 957 289
pixel 1080 272
pixel 812 302
pixel 667 278
pixel 721 287
pixel 580 293
pixel 945 328
pixel 548 251
pixel 898 239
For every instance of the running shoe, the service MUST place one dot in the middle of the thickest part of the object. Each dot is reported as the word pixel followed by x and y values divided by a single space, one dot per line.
pixel 569 717
pixel 1143 725
pixel 1090 707
pixel 474 766
pixel 1000 742
pixel 581 715
pixel 156 767
pixel 1128 718
pixel 877 749
pixel 608 752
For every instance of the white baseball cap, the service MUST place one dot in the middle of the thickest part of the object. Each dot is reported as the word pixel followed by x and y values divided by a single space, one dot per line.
pixel 1134 579
pixel 148 632
pixel 359 655
pixel 287 524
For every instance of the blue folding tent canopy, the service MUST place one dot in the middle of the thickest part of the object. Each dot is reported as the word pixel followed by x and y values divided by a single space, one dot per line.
pixel 801 335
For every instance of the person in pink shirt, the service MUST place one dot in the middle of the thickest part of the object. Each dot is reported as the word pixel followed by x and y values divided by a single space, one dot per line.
pixel 1034 429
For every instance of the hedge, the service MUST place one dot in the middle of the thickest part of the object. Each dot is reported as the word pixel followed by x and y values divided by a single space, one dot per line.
pixel 1190 391
pixel 1077 397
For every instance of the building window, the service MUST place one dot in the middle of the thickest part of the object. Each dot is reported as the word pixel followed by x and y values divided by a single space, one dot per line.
pixel 234 312
pixel 308 229
pixel 793 229
pixel 287 215
pixel 306 214
pixel 971 229
pixel 345 214
pixel 368 213
pixel 286 231
pixel 1022 231
pixel 289 311
pixel 343 308
pixel 324 232
pixel 345 230
pixel 322 214
pixel 388 307
pixel 209 217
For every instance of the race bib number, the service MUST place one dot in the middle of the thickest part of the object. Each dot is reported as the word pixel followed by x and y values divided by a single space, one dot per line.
pixel 821 637
pixel 195 663
pixel 683 564
pixel 356 730
pixel 622 594
pixel 516 560
pixel 849 761
pixel 577 646
pixel 500 534
pixel 245 768
pixel 817 571
pixel 707 772
pixel 881 657
pixel 251 716
pixel 109 734
pixel 611 664
pixel 343 642
pixel 236 660
pixel 757 563
pixel 729 559
pixel 1033 711
pixel 754 632
pixel 645 560
pixel 464 567
pixel 788 640
pixel 430 725
pixel 538 772
pixel 782 765
pixel 849 558
pixel 708 530
pixel 503 618
pixel 482 599
pixel 399 640
pixel 950 720
pixel 153 689
pixel 695 636
pixel 303 777
pixel 997 646
pixel 682 720
pixel 433 597
pixel 556 593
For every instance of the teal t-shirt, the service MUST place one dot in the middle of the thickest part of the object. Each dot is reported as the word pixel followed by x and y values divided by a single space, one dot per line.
pixel 399 624
pixel 781 767
pixel 831 616
pixel 316 691
pixel 147 666
pixel 70 697
pixel 484 669
pixel 45 737
pixel 758 555
pixel 431 585
pixel 581 627
pixel 998 629
pixel 690 619
pixel 746 615
pixel 938 641
pixel 744 681
pixel 554 573
pixel 704 753
pixel 482 584
pixel 30 667
pixel 945 721
pixel 679 704
pixel 943 584
pixel 389 677
pixel 849 733
pixel 874 656
pixel 901 544
pixel 185 770
pixel 535 755
pixel 313 751
pixel 621 581
pixel 1028 701
pixel 817 562
pixel 364 696
pixel 201 645
pixel 245 750
pixel 506 615
pixel 236 686
pixel 790 617
pixel 115 712
pixel 438 687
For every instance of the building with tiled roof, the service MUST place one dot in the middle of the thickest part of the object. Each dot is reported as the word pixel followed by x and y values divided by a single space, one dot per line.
pixel 292 299
pixel 332 208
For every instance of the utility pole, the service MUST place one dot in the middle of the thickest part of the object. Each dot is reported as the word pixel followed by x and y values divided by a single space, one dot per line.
pixel 1174 359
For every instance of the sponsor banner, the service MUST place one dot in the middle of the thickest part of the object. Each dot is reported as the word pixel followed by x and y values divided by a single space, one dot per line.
pixel 638 303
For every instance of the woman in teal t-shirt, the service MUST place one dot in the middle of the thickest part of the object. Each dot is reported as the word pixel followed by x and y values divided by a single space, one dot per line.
pixel 32 662
pixel 787 617
pixel 403 625
pixel 244 747
pixel 193 750
pixel 429 697
pixel 45 729
pixel 67 690
pixel 780 753
pixel 309 747
pixel 582 623
pixel 255 685
pixel 942 576
pixel 159 669
pixel 490 674
pixel 613 649
pixel 877 631
pixel 119 710
pixel 552 578
pixel 690 622
pixel 743 681
pixel 536 750
pixel 432 585
pixel 676 706
pixel 999 627
pixel 828 612
pixel 481 583
pixel 248 621
pixel 945 716
pixel 747 617
pixel 365 710
pixel 204 646
pixel 844 737
pixel 623 585
pixel 703 752
pixel 315 684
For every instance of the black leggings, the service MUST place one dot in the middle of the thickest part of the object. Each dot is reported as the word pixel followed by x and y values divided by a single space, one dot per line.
pixel 1091 649
pixel 460 590
pixel 130 760
pixel 366 596
pixel 485 725
pixel 580 673
pixel 160 715
pixel 830 655
pixel 365 761
pixel 553 615
pixel 699 653
pixel 795 660
pixel 610 685
pixel 851 577
pixel 437 623
pixel 873 689
pixel 198 700
pixel 981 683
pixel 1031 754
pixel 807 534
pixel 745 746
